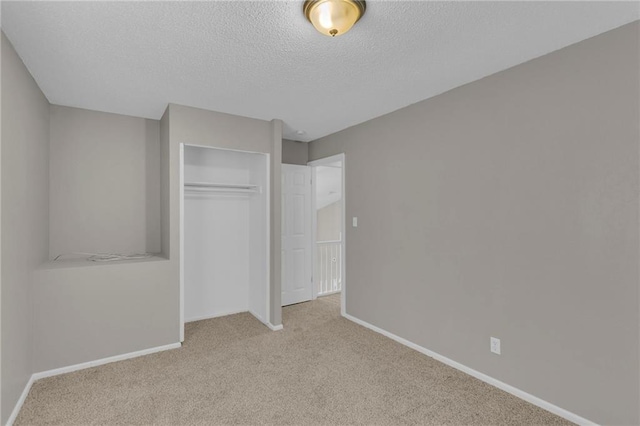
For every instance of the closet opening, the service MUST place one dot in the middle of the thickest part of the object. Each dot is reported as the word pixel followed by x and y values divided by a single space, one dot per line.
pixel 224 235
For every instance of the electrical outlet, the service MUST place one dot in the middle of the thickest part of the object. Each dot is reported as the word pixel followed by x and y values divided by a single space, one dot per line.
pixel 495 345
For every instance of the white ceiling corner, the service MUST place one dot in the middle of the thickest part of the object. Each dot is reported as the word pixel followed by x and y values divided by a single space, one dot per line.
pixel 264 60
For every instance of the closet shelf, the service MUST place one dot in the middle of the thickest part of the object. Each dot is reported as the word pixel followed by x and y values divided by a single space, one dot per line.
pixel 222 187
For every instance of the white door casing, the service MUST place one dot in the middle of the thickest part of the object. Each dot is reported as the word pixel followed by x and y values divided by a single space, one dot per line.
pixel 297 252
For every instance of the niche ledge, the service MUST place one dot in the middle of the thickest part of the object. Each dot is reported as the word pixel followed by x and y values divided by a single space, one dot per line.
pixel 83 263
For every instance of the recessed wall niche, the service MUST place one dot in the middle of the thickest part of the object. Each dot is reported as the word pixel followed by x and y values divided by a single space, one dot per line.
pixel 104 183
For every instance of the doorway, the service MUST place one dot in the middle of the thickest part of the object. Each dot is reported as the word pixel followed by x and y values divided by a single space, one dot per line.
pixel 313 231
pixel 328 214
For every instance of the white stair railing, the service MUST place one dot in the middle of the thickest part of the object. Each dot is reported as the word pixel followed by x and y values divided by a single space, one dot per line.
pixel 329 264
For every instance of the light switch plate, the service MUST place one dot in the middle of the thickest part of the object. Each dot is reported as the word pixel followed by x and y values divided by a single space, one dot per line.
pixel 495 345
pixel 355 222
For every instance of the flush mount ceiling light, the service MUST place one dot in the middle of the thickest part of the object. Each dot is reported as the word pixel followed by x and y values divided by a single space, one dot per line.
pixel 333 17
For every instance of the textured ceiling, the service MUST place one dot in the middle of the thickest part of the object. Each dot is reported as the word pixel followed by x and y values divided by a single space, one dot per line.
pixel 264 60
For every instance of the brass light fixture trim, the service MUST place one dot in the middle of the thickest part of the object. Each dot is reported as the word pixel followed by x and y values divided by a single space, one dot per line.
pixel 333 17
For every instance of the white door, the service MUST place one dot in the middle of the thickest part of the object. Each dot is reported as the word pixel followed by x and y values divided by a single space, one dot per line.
pixel 297 253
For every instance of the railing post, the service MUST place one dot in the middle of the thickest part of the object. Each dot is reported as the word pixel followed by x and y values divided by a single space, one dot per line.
pixel 329 266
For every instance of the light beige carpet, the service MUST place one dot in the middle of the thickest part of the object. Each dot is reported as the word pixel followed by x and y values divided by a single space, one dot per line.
pixel 321 369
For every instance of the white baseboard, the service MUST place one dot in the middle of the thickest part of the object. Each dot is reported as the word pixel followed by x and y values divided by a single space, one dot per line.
pixel 258 317
pixel 275 327
pixel 478 375
pixel 211 316
pixel 23 397
pixel 82 366
pixel 108 360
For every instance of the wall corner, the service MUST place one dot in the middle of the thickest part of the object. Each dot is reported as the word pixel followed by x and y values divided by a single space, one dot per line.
pixel 275 314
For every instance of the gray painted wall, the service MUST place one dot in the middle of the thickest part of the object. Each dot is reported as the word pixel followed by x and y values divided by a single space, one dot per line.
pixel 275 313
pixel 90 312
pixel 509 208
pixel 104 182
pixel 294 152
pixel 25 208
pixel 165 203
pixel 200 127
pixel 105 197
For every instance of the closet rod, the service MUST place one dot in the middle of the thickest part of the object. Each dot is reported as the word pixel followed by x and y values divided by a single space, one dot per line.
pixel 221 185
pixel 227 187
